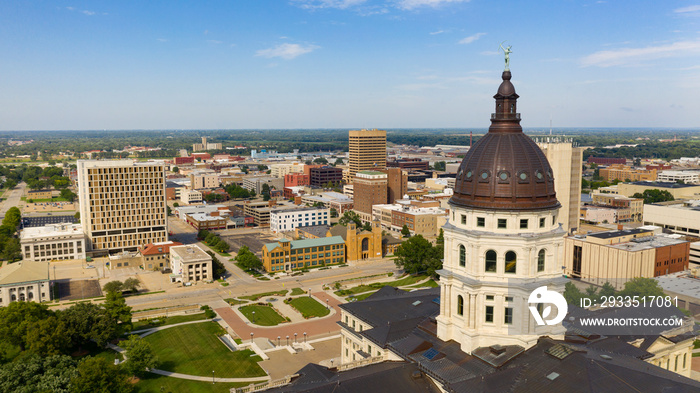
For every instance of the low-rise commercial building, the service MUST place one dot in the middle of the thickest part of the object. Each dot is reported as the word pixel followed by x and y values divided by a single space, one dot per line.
pixel 628 209
pixel 687 177
pixel 598 215
pixel 190 264
pixel 204 221
pixel 681 217
pixel 626 173
pixel 156 256
pixel 190 197
pixel 331 200
pixel 678 190
pixel 285 255
pixel 24 281
pixel 182 211
pixel 53 242
pixel 39 194
pixel 296 180
pixel 421 217
pixel 320 177
pixel 618 256
pixel 204 178
pixel 289 219
pixel 255 183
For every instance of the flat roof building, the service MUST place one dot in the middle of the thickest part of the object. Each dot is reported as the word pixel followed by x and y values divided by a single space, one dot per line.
pixel 367 151
pixel 53 242
pixel 289 219
pixel 122 204
pixel 190 264
pixel 24 281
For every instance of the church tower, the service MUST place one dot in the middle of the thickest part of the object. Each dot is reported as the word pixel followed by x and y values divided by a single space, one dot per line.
pixel 502 240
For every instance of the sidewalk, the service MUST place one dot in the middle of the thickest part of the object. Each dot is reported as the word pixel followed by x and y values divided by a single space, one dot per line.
pixel 315 327
pixel 207 379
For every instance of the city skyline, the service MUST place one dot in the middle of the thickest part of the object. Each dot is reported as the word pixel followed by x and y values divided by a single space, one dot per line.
pixel 344 64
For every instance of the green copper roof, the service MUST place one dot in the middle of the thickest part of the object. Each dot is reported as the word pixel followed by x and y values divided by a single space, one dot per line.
pixel 306 243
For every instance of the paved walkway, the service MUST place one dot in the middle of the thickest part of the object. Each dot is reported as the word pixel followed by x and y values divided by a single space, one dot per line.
pixel 207 379
pixel 146 332
pixel 315 327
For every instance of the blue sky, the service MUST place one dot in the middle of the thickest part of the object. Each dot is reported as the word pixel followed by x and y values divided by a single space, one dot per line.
pixel 345 63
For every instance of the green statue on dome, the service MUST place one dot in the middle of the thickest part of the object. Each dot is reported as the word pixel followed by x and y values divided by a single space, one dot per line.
pixel 507 52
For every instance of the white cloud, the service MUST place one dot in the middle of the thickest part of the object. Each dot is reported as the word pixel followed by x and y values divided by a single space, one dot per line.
pixel 70 8
pixel 215 42
pixel 88 13
pixel 339 4
pixel 286 51
pixel 413 4
pixel 436 32
pixel 628 56
pixel 690 8
pixel 471 38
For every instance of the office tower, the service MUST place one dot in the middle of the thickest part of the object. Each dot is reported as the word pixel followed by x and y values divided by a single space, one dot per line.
pixel 370 188
pixel 367 151
pixel 567 162
pixel 122 204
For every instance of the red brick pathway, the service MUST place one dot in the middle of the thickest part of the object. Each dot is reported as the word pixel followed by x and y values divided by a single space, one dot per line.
pixel 317 327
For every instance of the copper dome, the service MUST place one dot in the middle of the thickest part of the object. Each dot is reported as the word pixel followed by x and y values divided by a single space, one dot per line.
pixel 505 170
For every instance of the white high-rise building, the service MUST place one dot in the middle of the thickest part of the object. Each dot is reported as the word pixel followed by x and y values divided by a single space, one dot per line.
pixel 503 239
pixel 122 204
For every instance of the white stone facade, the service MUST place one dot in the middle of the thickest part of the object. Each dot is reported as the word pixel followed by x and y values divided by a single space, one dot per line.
pixel 493 261
pixel 288 220
pixel 53 242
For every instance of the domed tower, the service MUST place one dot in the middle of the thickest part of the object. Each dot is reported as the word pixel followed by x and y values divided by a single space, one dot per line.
pixel 502 239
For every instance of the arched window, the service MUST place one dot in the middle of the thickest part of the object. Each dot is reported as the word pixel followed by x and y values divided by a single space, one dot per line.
pixel 460 305
pixel 540 260
pixel 511 262
pixel 365 244
pixel 491 261
pixel 462 256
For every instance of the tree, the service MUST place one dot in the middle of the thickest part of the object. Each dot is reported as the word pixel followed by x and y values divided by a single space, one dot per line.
pixel 417 255
pixel 10 184
pixel 440 243
pixel 572 294
pixel 96 374
pixel 116 308
pixel 367 227
pixel 350 216
pixel 132 284
pixel 17 318
pixel 139 356
pixel 606 290
pixel 247 259
pixel 12 250
pixel 641 286
pixel 113 286
pixel 334 213
pixel 405 231
pixel 321 161
pixel 265 192
pixel 654 196
pixel 77 216
pixel 68 195
pixel 80 321
pixel 175 204
pixel 440 166
pixel 202 234
pixel 339 161
pixel 47 337
pixel 175 169
pixel 38 374
pixel 219 270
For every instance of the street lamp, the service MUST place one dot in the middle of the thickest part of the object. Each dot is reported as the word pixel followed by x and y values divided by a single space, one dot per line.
pixel 304 336
pixel 309 292
pixel 278 341
pixel 253 317
pixel 295 337
pixel 327 306
pixel 288 340
pixel 251 337
pixel 212 377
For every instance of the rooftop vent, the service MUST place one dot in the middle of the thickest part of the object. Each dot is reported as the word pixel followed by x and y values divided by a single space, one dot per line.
pixel 417 302
pixel 552 376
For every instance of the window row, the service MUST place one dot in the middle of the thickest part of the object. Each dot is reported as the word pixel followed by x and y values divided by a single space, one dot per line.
pixel 510 260
pixel 489 312
pixel 502 223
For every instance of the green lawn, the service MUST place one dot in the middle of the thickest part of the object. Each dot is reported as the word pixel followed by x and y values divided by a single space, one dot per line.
pixel 154 383
pixel 259 295
pixel 264 315
pixel 428 284
pixel 196 350
pixel 44 200
pixel 407 280
pixel 363 296
pixel 149 323
pixel 309 307
pixel 297 291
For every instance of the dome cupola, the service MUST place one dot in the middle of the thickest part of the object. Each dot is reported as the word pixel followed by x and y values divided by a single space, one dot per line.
pixel 505 170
